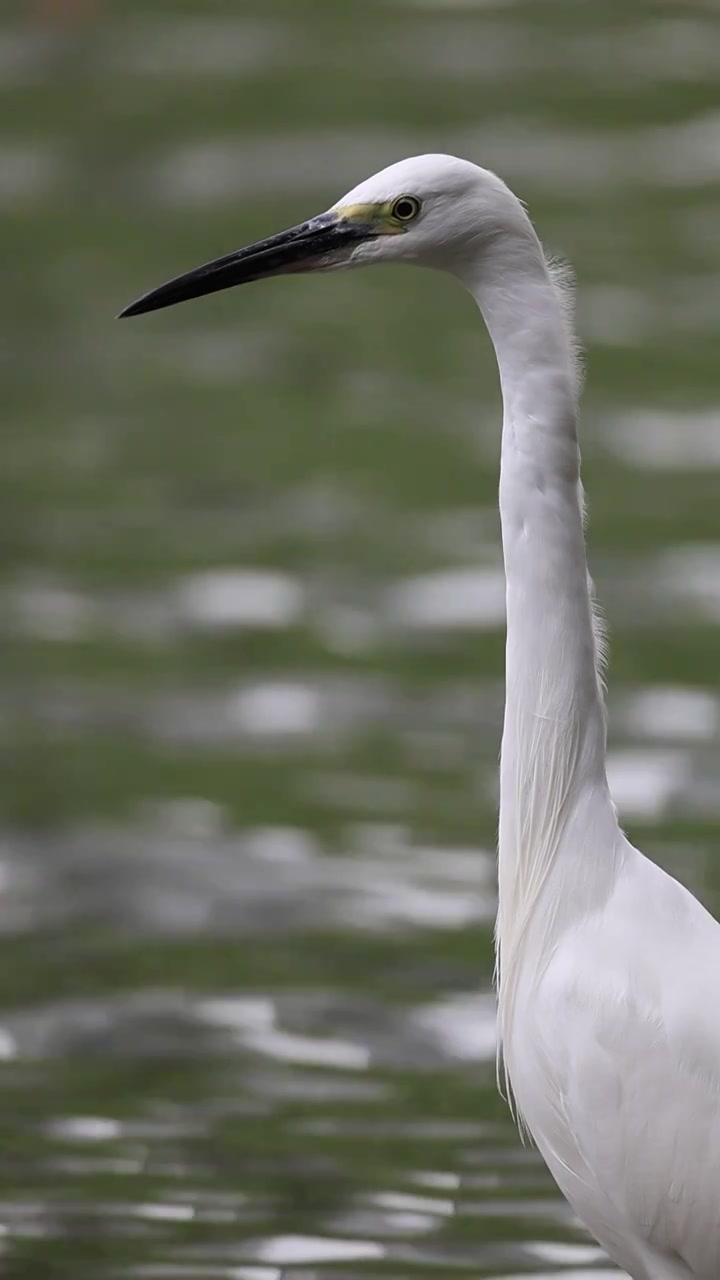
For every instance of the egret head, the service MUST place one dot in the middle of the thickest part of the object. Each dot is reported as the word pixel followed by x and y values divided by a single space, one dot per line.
pixel 433 210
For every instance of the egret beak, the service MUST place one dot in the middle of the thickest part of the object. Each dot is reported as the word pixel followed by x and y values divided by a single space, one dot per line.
pixel 320 244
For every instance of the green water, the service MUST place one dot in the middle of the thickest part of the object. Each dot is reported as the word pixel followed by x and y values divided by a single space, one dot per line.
pixel 251 628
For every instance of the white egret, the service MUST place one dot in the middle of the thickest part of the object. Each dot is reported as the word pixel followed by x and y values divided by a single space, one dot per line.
pixel 608 970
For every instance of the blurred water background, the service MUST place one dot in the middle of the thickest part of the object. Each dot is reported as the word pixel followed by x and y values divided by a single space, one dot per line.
pixel 252 609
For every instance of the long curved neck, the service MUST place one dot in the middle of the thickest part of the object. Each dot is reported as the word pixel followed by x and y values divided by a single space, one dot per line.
pixel 551 648
pixel 553 749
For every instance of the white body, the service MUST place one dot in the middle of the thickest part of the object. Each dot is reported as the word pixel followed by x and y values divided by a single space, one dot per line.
pixel 608 969
pixel 613 1055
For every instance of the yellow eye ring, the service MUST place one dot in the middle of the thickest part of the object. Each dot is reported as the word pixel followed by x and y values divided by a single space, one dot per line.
pixel 405 209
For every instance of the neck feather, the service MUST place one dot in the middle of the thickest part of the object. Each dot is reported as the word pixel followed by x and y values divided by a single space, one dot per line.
pixel 553 749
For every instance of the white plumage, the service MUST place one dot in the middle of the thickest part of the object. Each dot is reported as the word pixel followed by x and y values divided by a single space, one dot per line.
pixel 608 970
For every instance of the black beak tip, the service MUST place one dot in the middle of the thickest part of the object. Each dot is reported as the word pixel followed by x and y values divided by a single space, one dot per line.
pixel 136 308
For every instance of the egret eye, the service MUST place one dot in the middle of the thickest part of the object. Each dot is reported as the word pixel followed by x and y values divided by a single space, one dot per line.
pixel 405 209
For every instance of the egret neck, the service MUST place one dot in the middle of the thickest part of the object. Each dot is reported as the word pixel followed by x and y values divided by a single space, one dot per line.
pixel 553 747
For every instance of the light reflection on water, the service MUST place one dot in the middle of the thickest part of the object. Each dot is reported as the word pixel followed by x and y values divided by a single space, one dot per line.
pixel 252 669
